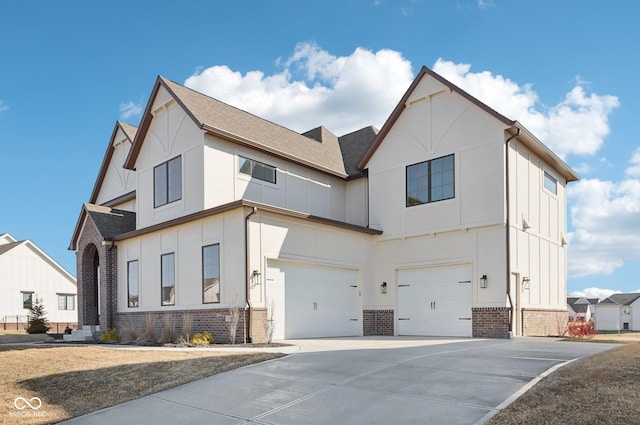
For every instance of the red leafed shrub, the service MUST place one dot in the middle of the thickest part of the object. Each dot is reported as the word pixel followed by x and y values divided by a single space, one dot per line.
pixel 582 329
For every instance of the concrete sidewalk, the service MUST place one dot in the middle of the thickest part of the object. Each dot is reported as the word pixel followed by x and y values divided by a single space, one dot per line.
pixel 387 380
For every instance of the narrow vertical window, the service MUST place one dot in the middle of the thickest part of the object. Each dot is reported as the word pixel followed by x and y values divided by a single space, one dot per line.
pixel 133 284
pixel 168 279
pixel 27 300
pixel 167 182
pixel 211 274
pixel 550 183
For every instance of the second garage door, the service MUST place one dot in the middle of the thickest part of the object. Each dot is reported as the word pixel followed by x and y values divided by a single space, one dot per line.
pixel 312 300
pixel 435 301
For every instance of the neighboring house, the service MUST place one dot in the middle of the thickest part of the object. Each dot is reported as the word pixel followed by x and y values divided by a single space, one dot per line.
pixel 450 220
pixel 619 312
pixel 27 273
pixel 581 308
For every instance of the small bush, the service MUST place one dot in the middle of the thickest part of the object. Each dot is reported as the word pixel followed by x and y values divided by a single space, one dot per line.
pixel 204 338
pixel 111 336
pixel 149 335
pixel 38 323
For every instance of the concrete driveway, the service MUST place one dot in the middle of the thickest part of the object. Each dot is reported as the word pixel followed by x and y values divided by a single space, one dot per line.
pixel 369 380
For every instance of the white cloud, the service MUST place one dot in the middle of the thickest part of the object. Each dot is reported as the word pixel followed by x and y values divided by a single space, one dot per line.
pixel 575 126
pixel 3 106
pixel 593 293
pixel 486 4
pixel 130 109
pixel 634 169
pixel 343 93
pixel 605 215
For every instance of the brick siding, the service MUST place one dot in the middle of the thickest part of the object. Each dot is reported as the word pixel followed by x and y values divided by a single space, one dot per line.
pixel 544 322
pixel 214 321
pixel 490 322
pixel 378 322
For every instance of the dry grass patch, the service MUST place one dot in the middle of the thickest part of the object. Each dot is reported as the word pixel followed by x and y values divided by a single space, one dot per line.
pixel 600 389
pixel 73 381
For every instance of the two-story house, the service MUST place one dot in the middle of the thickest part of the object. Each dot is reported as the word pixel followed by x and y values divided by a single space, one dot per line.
pixel 448 221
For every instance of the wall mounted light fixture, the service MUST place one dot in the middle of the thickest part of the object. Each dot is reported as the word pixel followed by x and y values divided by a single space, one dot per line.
pixel 483 281
pixel 255 277
pixel 383 288
pixel 525 282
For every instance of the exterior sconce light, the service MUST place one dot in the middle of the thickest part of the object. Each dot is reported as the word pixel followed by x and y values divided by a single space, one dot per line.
pixel 255 277
pixel 383 288
pixel 483 281
pixel 525 282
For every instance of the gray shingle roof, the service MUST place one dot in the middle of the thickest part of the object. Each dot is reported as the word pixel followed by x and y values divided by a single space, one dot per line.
pixel 621 299
pixel 354 146
pixel 111 222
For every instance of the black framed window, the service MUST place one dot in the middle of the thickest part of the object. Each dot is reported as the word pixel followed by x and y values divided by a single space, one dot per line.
pixel 258 170
pixel 27 300
pixel 167 182
pixel 430 181
pixel 168 278
pixel 133 284
pixel 211 274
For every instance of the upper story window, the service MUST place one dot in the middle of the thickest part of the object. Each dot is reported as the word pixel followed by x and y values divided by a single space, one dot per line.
pixel 550 183
pixel 257 169
pixel 167 182
pixel 430 181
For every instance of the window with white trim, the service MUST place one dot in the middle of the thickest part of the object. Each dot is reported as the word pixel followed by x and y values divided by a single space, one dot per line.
pixel 66 302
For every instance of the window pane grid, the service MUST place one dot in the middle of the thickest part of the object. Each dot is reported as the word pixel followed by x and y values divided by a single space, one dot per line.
pixel 430 181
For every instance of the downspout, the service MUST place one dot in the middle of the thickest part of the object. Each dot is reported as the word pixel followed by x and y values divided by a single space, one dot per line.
pixel 246 273
pixel 109 282
pixel 508 229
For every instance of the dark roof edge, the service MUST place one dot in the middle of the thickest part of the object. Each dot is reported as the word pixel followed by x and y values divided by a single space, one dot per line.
pixel 250 204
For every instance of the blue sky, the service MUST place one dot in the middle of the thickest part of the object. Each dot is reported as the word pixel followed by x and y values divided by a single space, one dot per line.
pixel 566 70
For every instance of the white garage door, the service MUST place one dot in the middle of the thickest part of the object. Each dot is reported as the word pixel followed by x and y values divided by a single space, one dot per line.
pixel 435 301
pixel 312 300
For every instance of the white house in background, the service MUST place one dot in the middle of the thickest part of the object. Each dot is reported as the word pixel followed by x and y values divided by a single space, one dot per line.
pixel 448 221
pixel 26 272
pixel 581 308
pixel 619 312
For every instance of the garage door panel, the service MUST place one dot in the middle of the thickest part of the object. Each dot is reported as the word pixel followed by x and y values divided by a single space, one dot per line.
pixel 314 300
pixel 435 301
